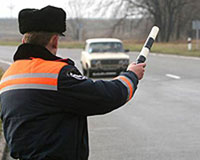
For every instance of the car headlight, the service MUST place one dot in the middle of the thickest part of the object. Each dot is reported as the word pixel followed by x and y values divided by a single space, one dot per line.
pixel 126 61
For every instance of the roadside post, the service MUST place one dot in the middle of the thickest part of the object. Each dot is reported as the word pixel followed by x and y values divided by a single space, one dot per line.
pixel 189 40
pixel 196 26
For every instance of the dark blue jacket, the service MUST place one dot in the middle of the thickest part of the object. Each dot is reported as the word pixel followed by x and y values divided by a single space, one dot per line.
pixel 41 123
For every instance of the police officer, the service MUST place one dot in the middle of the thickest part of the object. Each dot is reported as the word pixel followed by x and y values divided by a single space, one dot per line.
pixel 45 100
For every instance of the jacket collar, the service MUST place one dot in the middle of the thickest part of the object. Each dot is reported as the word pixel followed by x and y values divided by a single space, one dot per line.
pixel 28 51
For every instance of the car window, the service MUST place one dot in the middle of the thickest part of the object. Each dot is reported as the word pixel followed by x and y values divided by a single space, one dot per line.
pixel 105 47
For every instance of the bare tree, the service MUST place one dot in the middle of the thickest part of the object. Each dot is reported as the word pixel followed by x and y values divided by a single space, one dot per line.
pixel 185 17
pixel 167 14
pixel 118 10
pixel 174 17
pixel 77 10
pixel 164 14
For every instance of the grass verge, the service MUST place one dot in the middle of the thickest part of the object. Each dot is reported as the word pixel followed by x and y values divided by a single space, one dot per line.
pixel 166 48
pixel 176 48
pixel 10 43
pixel 71 44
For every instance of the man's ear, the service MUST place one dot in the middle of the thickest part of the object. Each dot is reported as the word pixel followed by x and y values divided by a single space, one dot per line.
pixel 23 39
pixel 54 41
pixel 52 46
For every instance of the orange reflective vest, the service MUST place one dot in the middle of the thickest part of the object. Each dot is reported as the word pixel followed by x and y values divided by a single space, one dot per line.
pixel 31 74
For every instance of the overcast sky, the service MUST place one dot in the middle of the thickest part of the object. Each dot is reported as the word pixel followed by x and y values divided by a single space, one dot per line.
pixel 17 5
pixel 11 8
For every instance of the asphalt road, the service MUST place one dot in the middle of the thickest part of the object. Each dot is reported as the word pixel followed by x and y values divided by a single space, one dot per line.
pixel 161 122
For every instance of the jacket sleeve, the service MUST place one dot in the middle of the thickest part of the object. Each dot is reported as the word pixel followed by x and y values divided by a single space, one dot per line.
pixel 83 96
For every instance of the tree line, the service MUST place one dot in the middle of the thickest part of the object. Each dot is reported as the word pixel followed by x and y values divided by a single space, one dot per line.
pixel 173 17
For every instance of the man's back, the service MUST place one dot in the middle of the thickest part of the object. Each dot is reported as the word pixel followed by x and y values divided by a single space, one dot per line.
pixel 35 116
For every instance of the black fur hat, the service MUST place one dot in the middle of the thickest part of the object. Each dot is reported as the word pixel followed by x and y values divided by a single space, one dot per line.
pixel 47 19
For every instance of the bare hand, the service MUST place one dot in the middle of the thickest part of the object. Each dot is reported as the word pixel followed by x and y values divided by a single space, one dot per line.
pixel 138 69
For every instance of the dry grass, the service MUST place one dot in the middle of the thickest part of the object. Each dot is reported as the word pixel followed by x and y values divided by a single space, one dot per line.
pixel 71 44
pixel 9 43
pixel 177 48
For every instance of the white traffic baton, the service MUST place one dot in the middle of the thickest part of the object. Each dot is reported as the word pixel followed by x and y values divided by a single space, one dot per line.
pixel 147 45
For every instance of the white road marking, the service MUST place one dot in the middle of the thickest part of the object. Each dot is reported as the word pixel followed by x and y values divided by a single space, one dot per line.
pixel 175 56
pixel 6 62
pixel 173 76
pixel 170 55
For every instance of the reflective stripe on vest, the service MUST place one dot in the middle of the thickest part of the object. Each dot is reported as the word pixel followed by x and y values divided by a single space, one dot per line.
pixel 31 74
pixel 128 84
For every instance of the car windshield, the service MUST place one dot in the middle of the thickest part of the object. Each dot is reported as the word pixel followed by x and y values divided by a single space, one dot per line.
pixel 106 47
